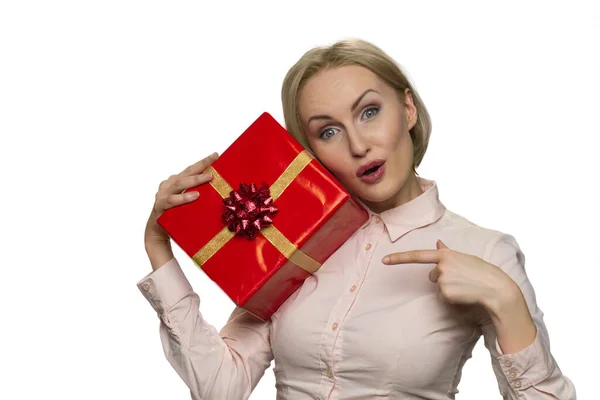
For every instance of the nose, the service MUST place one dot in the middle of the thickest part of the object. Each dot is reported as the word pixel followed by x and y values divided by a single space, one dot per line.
pixel 359 147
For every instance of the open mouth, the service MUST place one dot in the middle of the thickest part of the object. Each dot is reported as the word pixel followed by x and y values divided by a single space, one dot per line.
pixel 372 172
pixel 370 168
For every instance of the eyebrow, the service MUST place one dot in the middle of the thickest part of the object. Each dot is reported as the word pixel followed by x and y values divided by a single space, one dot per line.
pixel 354 105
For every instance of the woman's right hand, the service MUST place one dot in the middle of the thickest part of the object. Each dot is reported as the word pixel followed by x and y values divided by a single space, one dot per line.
pixel 170 194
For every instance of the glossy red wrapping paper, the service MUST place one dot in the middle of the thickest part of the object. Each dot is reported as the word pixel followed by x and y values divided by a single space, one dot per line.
pixel 315 213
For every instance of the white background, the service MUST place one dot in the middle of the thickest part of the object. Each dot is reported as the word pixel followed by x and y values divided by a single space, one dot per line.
pixel 101 101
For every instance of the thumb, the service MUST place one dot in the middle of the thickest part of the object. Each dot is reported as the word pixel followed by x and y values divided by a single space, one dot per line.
pixel 441 245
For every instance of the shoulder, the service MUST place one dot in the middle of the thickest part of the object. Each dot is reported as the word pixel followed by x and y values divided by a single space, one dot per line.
pixel 464 235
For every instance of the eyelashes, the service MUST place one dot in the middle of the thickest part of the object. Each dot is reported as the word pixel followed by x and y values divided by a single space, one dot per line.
pixel 375 110
pixel 370 112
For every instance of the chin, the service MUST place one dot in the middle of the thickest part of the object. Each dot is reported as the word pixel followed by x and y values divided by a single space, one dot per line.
pixel 375 194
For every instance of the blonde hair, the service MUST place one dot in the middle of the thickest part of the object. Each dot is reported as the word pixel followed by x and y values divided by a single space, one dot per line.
pixel 352 52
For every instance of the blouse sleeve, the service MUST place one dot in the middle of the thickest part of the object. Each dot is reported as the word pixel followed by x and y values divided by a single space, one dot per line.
pixel 532 373
pixel 214 365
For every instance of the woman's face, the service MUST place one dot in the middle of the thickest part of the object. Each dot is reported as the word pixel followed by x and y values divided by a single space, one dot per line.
pixel 357 126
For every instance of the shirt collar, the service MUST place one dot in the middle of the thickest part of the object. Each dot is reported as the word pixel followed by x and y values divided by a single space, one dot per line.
pixel 423 210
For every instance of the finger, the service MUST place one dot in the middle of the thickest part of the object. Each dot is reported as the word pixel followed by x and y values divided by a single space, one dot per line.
pixel 173 196
pixel 186 182
pixel 174 200
pixel 200 166
pixel 441 245
pixel 413 256
pixel 434 275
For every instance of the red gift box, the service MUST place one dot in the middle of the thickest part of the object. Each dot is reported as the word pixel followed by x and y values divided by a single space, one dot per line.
pixel 308 216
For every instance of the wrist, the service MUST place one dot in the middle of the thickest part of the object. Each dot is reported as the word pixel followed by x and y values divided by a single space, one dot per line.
pixel 156 244
pixel 159 252
pixel 509 313
pixel 502 298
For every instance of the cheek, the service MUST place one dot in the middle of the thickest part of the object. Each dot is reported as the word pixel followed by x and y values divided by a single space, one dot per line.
pixel 401 148
pixel 335 162
pixel 388 133
pixel 403 142
pixel 398 138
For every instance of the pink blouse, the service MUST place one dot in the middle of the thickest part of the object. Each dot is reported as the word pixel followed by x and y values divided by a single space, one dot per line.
pixel 357 329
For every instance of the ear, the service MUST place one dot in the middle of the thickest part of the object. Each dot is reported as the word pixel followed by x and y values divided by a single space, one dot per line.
pixel 411 110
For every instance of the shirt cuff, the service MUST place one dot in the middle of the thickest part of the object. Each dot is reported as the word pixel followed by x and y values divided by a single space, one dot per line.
pixel 529 366
pixel 165 287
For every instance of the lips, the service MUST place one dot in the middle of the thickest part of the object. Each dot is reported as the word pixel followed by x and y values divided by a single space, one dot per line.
pixel 364 168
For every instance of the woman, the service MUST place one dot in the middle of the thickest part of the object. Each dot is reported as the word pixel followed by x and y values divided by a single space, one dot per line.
pixel 397 310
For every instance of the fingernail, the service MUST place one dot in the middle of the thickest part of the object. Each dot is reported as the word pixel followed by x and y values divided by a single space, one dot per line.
pixel 194 195
pixel 214 155
pixel 386 259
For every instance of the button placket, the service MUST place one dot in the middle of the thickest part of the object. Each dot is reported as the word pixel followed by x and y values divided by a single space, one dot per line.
pixel 364 257
pixel 332 343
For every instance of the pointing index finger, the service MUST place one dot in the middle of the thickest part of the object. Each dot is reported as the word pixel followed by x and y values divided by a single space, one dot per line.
pixel 413 256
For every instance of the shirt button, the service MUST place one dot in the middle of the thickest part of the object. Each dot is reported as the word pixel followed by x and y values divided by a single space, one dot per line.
pixel 512 374
pixel 146 287
pixel 517 384
pixel 329 373
pixel 377 220
pixel 353 288
pixel 508 363
pixel 334 326
pixel 368 246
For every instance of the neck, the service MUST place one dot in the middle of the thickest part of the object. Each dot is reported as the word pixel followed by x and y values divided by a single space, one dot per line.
pixel 409 191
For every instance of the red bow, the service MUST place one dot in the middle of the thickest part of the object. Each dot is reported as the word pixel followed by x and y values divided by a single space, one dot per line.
pixel 249 209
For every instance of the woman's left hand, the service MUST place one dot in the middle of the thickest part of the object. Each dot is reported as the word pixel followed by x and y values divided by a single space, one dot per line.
pixel 462 278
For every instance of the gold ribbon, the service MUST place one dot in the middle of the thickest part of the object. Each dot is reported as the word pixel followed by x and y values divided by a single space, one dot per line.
pixel 270 232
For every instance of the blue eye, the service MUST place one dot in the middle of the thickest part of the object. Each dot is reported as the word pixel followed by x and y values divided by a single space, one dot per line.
pixel 370 112
pixel 327 133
